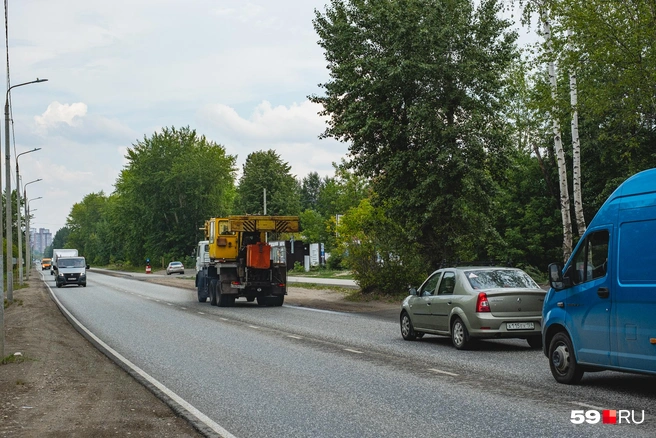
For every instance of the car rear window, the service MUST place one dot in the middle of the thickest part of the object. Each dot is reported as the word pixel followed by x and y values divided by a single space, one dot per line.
pixel 499 279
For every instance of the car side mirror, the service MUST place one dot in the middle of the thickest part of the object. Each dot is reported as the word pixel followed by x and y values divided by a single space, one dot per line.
pixel 413 291
pixel 556 279
pixel 54 268
pixel 87 266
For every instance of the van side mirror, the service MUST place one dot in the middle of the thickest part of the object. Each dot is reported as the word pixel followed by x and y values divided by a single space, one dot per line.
pixel 556 279
pixel 87 267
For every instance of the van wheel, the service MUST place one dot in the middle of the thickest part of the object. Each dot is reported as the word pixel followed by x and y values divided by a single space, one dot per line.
pixel 459 334
pixel 562 361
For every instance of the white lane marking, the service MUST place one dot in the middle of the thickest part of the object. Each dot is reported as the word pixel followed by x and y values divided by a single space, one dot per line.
pixel 201 313
pixel 585 405
pixel 183 308
pixel 352 351
pixel 254 326
pixel 295 337
pixel 310 309
pixel 169 304
pixel 224 319
pixel 442 372
pixel 172 395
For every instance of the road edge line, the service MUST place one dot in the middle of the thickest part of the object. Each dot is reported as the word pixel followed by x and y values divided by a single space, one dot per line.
pixel 201 422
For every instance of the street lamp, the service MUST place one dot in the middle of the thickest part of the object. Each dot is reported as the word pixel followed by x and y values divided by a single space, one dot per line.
pixel 18 218
pixel 27 215
pixel 10 266
pixel 28 255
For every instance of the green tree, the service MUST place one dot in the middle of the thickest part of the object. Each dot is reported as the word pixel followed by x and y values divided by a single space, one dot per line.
pixel 376 251
pixel 416 90
pixel 172 183
pixel 266 170
pixel 83 222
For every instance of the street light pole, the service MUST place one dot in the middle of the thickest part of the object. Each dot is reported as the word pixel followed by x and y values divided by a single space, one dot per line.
pixel 18 220
pixel 8 225
pixel 28 244
pixel 28 265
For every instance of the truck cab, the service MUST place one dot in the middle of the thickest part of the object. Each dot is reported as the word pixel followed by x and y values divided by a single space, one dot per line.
pixel 599 312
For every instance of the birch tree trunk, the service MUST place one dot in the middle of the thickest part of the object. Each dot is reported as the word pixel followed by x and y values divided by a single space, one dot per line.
pixel 576 153
pixel 558 144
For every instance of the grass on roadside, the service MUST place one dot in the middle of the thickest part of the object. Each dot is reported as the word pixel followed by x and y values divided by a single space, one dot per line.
pixel 15 358
pixel 16 302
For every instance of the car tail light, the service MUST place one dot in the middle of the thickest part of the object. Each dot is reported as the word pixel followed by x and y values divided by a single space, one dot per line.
pixel 482 304
pixel 236 283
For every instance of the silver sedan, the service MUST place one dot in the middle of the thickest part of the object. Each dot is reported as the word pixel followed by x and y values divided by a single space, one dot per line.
pixel 468 303
pixel 175 267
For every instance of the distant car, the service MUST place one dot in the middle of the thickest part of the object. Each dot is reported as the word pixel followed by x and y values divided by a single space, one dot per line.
pixel 45 264
pixel 174 267
pixel 468 303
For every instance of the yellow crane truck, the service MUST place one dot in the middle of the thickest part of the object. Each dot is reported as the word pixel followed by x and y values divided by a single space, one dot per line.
pixel 241 261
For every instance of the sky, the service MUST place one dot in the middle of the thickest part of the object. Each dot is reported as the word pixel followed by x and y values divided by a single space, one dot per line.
pixel 237 71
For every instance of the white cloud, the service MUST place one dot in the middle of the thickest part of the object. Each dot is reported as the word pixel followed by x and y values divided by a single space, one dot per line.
pixel 292 131
pixel 58 113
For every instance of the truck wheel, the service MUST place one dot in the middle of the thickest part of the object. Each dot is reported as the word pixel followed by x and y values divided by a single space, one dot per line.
pixel 213 292
pixel 226 300
pixel 562 361
pixel 201 284
pixel 277 301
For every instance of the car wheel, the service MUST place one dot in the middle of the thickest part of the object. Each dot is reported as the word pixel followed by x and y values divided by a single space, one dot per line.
pixel 407 330
pixel 562 361
pixel 168 273
pixel 459 334
pixel 535 342
pixel 59 285
pixel 213 292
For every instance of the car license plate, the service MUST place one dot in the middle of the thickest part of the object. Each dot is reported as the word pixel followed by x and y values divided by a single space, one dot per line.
pixel 520 326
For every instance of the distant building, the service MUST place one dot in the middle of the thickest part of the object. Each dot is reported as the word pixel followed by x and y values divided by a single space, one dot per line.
pixel 40 240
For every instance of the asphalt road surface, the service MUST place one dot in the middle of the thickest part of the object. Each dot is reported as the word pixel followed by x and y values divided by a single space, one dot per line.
pixel 296 372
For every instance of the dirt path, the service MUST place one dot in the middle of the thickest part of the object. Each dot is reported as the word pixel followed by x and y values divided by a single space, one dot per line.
pixel 61 386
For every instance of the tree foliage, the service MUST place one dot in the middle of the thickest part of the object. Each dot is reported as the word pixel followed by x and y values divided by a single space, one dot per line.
pixel 266 170
pixel 173 181
pixel 415 90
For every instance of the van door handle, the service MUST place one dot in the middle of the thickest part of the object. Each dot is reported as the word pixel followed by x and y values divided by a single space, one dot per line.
pixel 603 292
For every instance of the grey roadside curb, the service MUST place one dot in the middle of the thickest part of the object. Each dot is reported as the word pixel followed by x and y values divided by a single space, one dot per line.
pixel 199 421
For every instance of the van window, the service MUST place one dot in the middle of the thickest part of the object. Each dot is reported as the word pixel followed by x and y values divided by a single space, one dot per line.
pixel 637 256
pixel 590 260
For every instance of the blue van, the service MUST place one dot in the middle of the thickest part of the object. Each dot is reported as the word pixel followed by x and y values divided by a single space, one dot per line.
pixel 600 313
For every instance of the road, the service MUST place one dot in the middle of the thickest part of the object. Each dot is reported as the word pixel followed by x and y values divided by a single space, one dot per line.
pixel 296 372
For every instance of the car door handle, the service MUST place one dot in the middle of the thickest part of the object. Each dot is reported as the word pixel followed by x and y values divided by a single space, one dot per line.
pixel 428 303
pixel 603 292
pixel 448 302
